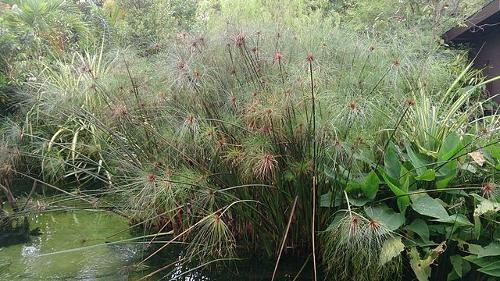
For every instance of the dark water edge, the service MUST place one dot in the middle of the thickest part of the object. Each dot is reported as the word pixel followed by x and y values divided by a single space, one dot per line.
pixel 72 245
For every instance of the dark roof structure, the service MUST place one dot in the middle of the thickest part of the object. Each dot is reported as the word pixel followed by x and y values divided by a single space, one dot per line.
pixel 482 32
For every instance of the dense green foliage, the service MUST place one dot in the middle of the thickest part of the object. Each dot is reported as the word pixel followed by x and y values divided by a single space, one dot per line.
pixel 264 127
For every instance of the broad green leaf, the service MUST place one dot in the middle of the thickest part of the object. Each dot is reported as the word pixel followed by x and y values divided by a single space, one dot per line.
pixel 494 151
pixel 392 165
pixel 421 267
pixel 427 175
pixel 493 249
pixel 486 207
pixel 405 179
pixel 452 276
pixel 353 185
pixel 460 266
pixel 419 162
pixel 446 173
pixel 385 216
pixel 390 249
pixel 481 262
pixel 450 147
pixel 447 169
pixel 371 184
pixel 420 227
pixel 492 269
pixel 457 219
pixel 358 201
pixel 326 200
pixel 428 206
pixel 477 227
pixel 403 200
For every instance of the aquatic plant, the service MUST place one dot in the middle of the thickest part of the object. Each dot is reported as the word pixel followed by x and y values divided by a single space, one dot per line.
pixel 237 140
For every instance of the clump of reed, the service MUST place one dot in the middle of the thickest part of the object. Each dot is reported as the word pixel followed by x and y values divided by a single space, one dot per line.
pixel 352 249
pixel 228 141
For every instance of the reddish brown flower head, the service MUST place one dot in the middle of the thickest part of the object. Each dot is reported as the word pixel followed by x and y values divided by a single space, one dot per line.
pixel 151 177
pixel 488 189
pixel 239 40
pixel 254 50
pixel 310 57
pixel 119 111
pixel 278 56
pixel 189 120
pixel 410 102
pixel 265 166
pixel 353 105
pixel 182 35
pixel 396 62
pixel 373 225
pixel 221 143
pixel 354 224
pixel 181 65
pixel 232 98
pixel 371 48
pixel 399 18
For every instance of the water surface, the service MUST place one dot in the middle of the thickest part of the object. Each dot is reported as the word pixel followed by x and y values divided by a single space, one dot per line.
pixel 73 246
pixel 63 231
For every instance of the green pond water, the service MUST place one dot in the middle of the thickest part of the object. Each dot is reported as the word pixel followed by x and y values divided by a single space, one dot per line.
pixel 72 247
pixel 42 259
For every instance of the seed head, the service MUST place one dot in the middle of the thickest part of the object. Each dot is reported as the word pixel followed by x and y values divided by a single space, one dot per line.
pixel 182 35
pixel 488 189
pixel 221 143
pixel 310 57
pixel 354 224
pixel 265 166
pixel 189 120
pixel 119 111
pixel 410 102
pixel 239 40
pixel 151 177
pixel 373 225
pixel 232 98
pixel 181 65
pixel 353 105
pixel 278 56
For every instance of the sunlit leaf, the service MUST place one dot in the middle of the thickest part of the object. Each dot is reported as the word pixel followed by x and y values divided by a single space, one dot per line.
pixel 385 216
pixel 390 249
pixel 428 206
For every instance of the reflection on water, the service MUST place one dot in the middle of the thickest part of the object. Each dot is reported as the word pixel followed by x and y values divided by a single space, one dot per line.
pixel 94 259
pixel 70 230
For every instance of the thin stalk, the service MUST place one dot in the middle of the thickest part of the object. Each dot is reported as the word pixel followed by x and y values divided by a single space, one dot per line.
pixel 284 237
pixel 310 58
